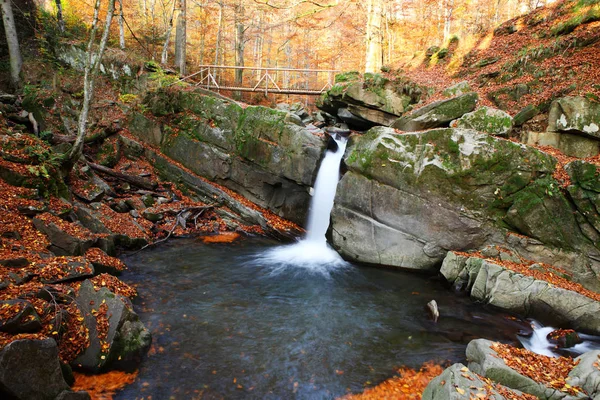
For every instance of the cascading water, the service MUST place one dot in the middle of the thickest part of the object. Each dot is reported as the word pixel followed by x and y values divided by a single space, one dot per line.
pixel 539 343
pixel 313 253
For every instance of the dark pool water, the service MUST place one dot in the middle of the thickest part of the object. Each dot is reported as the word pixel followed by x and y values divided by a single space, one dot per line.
pixel 226 327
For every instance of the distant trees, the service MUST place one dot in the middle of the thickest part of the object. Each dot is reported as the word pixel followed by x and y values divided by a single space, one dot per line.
pixel 338 34
pixel 10 29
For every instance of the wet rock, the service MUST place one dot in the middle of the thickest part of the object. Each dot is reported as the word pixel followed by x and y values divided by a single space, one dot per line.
pixel 126 338
pixel 24 320
pixel 354 120
pixel 432 309
pixel 70 395
pixel 30 370
pixel 437 114
pixel 564 338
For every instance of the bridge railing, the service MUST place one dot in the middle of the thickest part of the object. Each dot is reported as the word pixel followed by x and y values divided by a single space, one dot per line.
pixel 265 80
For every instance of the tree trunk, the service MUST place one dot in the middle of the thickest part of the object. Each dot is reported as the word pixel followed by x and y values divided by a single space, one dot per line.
pixel 59 16
pixel 121 26
pixel 448 11
pixel 239 47
pixel 165 53
pixel 219 40
pixel 91 68
pixel 14 52
pixel 374 53
pixel 181 39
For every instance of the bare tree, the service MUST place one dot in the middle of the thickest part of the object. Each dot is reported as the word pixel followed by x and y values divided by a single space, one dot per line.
pixel 91 68
pixel 165 53
pixel 14 52
pixel 240 43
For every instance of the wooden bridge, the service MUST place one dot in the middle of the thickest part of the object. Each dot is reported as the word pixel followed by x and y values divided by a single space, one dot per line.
pixel 308 82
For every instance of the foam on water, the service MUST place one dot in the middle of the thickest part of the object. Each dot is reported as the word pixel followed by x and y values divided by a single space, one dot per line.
pixel 539 343
pixel 313 254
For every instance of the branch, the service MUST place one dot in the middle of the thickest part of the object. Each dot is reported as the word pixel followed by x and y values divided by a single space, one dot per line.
pixel 134 180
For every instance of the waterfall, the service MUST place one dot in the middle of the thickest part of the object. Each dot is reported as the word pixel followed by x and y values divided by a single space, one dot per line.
pixel 312 253
pixel 324 193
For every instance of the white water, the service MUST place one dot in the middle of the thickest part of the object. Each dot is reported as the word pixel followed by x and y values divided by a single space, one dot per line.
pixel 312 253
pixel 538 342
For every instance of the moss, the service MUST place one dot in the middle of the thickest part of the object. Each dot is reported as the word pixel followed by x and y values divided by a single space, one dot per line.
pixel 566 27
pixel 349 76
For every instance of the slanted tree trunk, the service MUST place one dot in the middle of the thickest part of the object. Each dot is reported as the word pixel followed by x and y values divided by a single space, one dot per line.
pixel 165 53
pixel 91 68
pixel 181 39
pixel 121 26
pixel 14 52
pixel 374 51
pixel 59 17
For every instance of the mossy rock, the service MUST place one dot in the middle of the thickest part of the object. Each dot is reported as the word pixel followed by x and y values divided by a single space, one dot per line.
pixel 109 153
pixel 486 119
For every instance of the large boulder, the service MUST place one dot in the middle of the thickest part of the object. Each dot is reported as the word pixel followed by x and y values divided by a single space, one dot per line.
pixel 369 102
pixel 409 198
pixel 64 242
pixel 30 370
pixel 575 115
pixel 485 119
pixel 493 284
pixel 117 336
pixel 255 151
pixel 437 114
pixel 586 374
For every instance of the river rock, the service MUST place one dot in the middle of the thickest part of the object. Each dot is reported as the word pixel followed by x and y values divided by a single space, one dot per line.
pixel 458 383
pixel 437 114
pixel 486 119
pixel 373 101
pixel 126 338
pixel 493 284
pixel 575 115
pixel 586 374
pixel 251 150
pixel 483 360
pixel 30 370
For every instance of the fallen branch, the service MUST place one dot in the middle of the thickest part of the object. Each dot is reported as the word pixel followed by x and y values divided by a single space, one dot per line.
pixel 134 180
pixel 179 220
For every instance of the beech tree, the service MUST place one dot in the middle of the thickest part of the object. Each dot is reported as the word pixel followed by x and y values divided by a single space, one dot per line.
pixel 59 16
pixel 181 38
pixel 14 52
pixel 374 39
pixel 91 68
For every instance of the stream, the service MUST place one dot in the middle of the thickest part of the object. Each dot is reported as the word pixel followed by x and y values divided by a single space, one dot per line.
pixel 229 323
